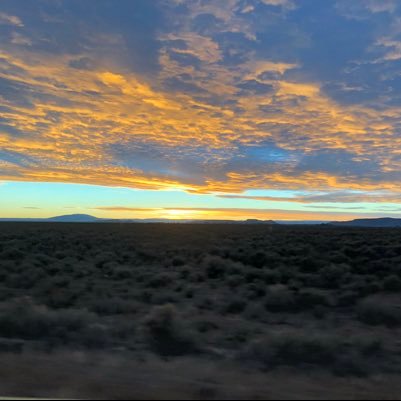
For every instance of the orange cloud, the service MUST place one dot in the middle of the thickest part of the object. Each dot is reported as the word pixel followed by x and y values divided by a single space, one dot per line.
pixel 70 118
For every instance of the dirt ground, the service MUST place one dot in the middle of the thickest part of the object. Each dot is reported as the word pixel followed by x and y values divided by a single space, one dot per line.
pixel 83 376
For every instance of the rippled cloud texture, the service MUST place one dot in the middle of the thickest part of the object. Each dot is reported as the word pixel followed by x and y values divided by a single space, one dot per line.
pixel 206 96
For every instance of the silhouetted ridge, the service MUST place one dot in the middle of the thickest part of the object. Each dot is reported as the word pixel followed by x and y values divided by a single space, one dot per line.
pixel 379 223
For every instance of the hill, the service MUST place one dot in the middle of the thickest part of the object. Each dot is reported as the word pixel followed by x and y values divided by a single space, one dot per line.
pixel 378 223
pixel 74 218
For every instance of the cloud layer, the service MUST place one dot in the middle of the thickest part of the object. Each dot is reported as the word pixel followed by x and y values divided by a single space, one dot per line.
pixel 205 96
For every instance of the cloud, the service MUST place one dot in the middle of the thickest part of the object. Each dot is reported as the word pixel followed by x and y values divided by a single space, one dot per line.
pixel 200 47
pixel 6 19
pixel 379 6
pixel 20 40
pixel 392 49
pixel 127 209
pixel 280 3
pixel 365 9
pixel 116 107
pixel 216 97
pixel 342 197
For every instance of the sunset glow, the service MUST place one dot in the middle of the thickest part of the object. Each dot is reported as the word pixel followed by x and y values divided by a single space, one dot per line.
pixel 200 109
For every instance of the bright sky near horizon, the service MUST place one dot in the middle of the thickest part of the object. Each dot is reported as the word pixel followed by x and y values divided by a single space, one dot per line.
pixel 226 109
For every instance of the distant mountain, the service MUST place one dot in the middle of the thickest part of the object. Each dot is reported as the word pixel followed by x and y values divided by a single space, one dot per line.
pixel 302 222
pixel 74 218
pixel 255 221
pixel 379 223
pixel 85 218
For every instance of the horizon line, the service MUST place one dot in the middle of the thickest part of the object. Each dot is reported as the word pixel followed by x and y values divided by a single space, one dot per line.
pixel 183 220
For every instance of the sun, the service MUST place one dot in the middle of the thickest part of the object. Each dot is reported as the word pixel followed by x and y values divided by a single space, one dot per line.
pixel 181 214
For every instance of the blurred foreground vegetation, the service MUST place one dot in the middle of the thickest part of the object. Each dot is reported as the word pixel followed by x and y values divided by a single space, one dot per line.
pixel 265 298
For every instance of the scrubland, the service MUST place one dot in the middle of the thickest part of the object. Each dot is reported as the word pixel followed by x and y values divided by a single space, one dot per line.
pixel 199 311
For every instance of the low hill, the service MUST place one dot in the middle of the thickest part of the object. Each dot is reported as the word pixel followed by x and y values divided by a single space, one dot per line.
pixel 75 218
pixel 379 223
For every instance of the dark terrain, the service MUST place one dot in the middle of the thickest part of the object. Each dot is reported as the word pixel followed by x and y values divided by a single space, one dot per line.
pixel 199 311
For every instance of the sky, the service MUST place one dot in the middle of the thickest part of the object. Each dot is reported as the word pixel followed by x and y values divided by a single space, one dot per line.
pixel 220 109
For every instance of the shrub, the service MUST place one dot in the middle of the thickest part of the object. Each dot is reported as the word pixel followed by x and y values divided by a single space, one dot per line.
pixel 258 259
pixel 116 306
pixel 347 299
pixel 334 275
pixel 189 292
pixel 256 290
pixel 93 336
pixel 235 306
pixel 215 267
pixel 160 281
pixel 293 349
pixel 271 277
pixel 164 297
pixel 43 259
pixel 392 283
pixel 185 272
pixel 205 303
pixel 166 333
pixel 309 264
pixel 205 325
pixel 30 277
pixel 253 274
pixel 103 258
pixel 315 349
pixel 25 320
pixel 177 261
pixel 280 299
pixel 363 287
pixel 319 312
pixel 310 298
pixel 376 312
pixel 255 311
pixel 122 273
pixel 236 269
pixel 12 254
pixel 235 281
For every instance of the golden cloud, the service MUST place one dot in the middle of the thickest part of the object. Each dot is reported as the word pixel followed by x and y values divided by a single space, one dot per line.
pixel 70 118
